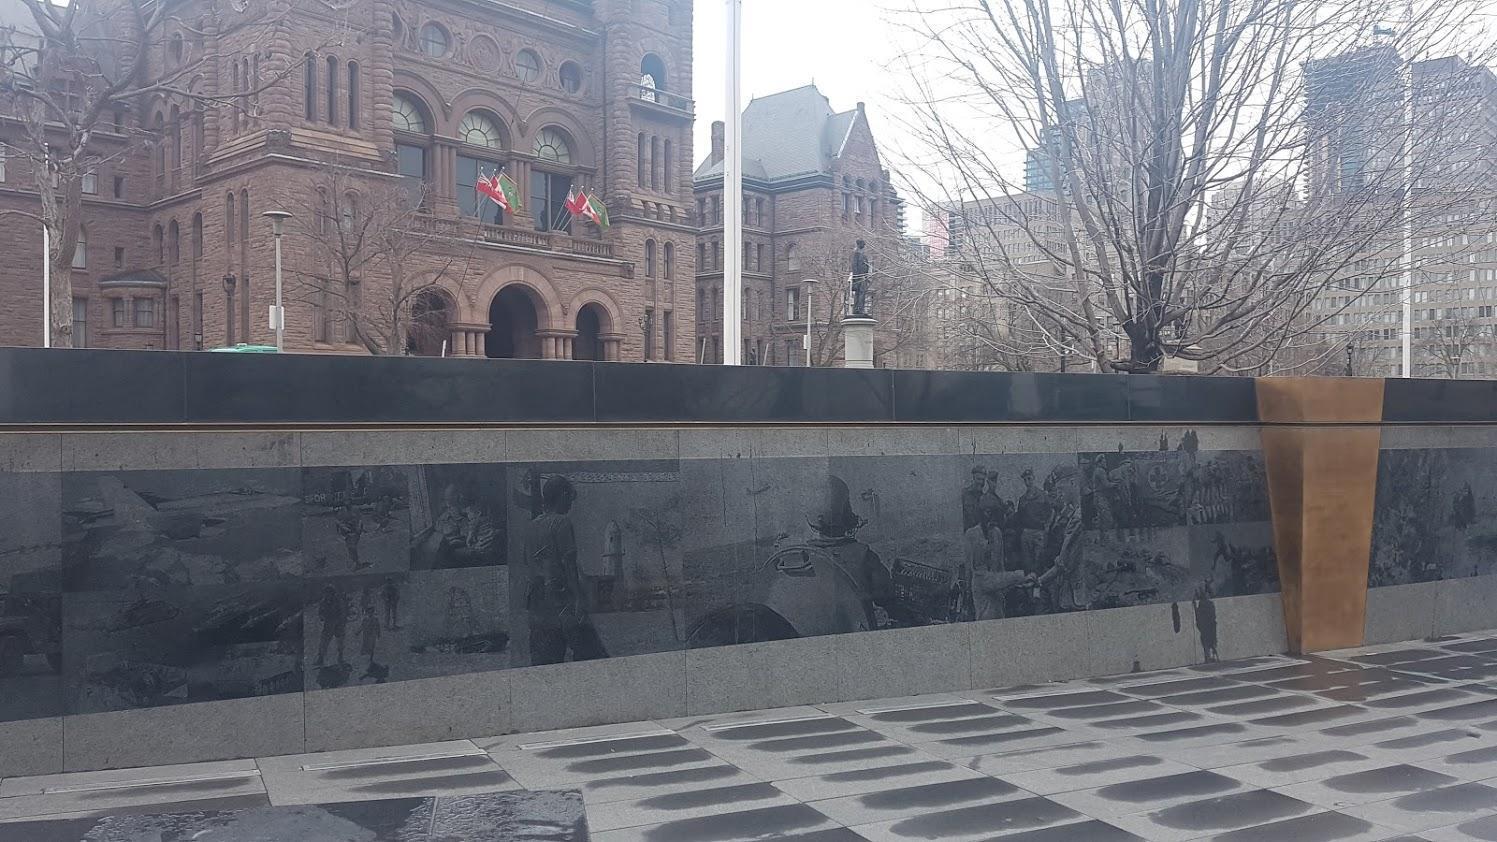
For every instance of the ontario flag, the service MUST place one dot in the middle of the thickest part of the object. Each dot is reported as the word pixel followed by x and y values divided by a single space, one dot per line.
pixel 580 203
pixel 502 189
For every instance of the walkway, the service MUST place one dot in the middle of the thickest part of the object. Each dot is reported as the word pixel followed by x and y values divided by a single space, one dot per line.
pixel 1392 742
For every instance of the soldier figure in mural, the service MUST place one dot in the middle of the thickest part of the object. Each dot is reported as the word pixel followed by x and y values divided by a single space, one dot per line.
pixel 1065 583
pixel 860 273
pixel 554 598
pixel 1033 515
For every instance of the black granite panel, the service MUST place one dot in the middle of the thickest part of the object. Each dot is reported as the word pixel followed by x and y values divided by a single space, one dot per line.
pixel 950 397
pixel 180 528
pixel 291 388
pixel 1434 517
pixel 1180 399
pixel 30 596
pixel 1439 401
pixel 766 394
pixel 30 655
pixel 30 533
pixel 83 386
pixel 595 553
pixel 628 392
pixel 154 646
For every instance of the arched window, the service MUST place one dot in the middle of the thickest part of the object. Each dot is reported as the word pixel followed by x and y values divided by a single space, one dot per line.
pixel 670 167
pixel 173 243
pixel 176 130
pixel 309 86
pixel 792 258
pixel 668 258
pixel 197 236
pixel 549 188
pixel 410 151
pixel 349 213
pixel 571 77
pixel 434 40
pixel 80 251
pixel 175 49
pixel 528 65
pixel 158 243
pixel 643 165
pixel 484 133
pixel 332 91
pixel 553 146
pixel 409 116
pixel 231 228
pixel 652 68
pixel 479 129
pixel 654 163
pixel 649 258
pixel 353 95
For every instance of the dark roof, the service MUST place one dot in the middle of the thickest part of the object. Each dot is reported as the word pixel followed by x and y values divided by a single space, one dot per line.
pixel 789 135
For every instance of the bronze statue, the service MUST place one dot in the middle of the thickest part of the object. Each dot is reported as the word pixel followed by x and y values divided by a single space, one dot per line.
pixel 860 272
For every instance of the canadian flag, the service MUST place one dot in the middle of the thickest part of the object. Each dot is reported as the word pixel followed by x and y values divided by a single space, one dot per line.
pixel 577 202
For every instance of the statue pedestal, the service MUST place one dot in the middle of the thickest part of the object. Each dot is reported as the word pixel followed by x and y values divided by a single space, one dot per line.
pixel 857 331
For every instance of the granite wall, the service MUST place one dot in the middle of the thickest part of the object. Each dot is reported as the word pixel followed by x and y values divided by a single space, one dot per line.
pixel 182 595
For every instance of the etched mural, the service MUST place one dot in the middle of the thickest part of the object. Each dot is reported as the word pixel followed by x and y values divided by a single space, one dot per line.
pixel 155 588
pixel 1435 516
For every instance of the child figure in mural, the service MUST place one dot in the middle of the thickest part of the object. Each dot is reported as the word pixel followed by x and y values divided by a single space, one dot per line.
pixel 554 597
pixel 463 535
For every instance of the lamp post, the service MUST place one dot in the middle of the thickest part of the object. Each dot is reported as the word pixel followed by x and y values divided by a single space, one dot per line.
pixel 810 285
pixel 229 281
pixel 278 315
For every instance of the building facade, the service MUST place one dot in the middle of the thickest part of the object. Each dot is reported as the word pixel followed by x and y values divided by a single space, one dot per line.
pixel 369 98
pixel 814 185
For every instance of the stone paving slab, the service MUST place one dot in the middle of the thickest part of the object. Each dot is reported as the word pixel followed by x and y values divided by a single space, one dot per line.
pixel 1393 742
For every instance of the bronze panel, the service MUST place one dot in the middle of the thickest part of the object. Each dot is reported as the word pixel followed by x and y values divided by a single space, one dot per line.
pixel 1322 479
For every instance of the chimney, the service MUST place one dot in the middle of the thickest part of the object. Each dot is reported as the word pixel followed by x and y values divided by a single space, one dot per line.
pixel 719 141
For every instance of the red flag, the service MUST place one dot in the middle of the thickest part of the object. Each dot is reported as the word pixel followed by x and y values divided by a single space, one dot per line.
pixel 577 202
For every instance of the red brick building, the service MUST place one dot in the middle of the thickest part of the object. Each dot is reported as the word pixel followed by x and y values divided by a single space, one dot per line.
pixel 813 185
pixel 589 94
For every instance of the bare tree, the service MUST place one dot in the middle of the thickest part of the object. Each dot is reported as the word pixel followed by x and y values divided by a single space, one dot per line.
pixel 1198 172
pixel 70 72
pixel 1452 344
pixel 375 269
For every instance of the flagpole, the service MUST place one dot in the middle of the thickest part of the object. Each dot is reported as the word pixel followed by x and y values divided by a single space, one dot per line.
pixel 46 287
pixel 733 194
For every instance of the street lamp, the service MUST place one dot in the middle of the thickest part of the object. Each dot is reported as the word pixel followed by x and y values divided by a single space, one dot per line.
pixel 810 285
pixel 278 314
pixel 229 281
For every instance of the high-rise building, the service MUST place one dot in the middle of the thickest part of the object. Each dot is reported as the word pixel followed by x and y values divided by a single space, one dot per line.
pixel 1377 126
pixel 559 95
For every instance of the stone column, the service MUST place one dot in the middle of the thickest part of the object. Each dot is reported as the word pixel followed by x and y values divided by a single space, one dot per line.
pixel 613 344
pixel 857 331
pixel 519 170
pixel 444 178
pixel 467 340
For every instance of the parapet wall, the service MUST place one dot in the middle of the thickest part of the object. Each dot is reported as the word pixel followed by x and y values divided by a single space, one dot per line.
pixel 267 555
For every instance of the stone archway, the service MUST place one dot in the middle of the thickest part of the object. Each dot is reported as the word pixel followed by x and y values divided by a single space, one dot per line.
pixel 515 321
pixel 430 328
pixel 592 326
